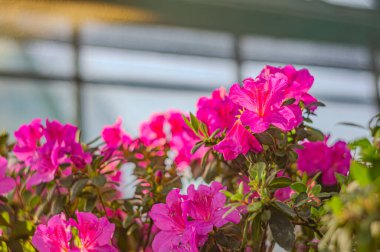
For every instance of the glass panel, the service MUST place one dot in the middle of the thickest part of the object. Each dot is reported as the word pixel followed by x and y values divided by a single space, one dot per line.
pixel 43 57
pixel 23 100
pixel 264 48
pixel 177 70
pixel 160 38
pixel 103 104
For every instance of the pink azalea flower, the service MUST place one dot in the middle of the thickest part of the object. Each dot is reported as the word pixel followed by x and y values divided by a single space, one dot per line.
pixel 206 206
pixel 152 131
pixel 94 234
pixel 262 101
pixel 319 157
pixel 44 157
pixel 6 184
pixel 27 140
pixel 217 112
pixel 284 194
pixel 53 237
pixel 176 234
pixel 299 83
pixel 114 136
pixel 169 128
pixel 238 141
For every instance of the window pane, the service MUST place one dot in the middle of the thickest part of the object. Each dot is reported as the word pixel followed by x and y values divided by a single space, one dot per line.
pixel 23 100
pixel 103 104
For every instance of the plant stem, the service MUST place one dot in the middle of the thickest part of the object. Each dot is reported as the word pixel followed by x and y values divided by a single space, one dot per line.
pixel 263 239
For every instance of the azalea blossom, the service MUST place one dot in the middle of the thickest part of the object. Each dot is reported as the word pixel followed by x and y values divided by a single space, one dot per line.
pixel 27 141
pixel 170 128
pixel 186 220
pixel 94 233
pixel 53 237
pixel 238 141
pixel 114 136
pixel 299 83
pixel 6 183
pixel 262 100
pixel 175 232
pixel 319 157
pixel 218 111
pixel 44 149
pixel 206 206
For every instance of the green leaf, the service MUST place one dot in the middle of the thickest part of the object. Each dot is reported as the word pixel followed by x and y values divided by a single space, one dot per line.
pixel 285 209
pixel 203 129
pixel 360 173
pixel 57 205
pixel 257 232
pixel 197 146
pixel 67 181
pixel 352 125
pixel 99 180
pixel 256 170
pixel 316 189
pixel 186 120
pixel 15 245
pixel 255 206
pixel 90 204
pixel 205 159
pixel 288 102
pixel 214 133
pixel 301 199
pixel 299 187
pixel 282 229
pixel 265 138
pixel 314 135
pixel 280 182
pixel 194 123
pixel 77 187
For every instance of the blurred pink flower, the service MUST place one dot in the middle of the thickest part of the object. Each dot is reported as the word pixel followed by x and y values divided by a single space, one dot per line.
pixel 53 237
pixel 95 234
pixel 217 112
pixel 186 220
pixel 44 157
pixel 238 141
pixel 283 194
pixel 176 234
pixel 27 139
pixel 170 128
pixel 6 183
pixel 114 136
pixel 299 83
pixel 319 157
pixel 152 131
pixel 262 100
pixel 206 207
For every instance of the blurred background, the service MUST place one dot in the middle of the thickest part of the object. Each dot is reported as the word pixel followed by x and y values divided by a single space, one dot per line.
pixel 87 62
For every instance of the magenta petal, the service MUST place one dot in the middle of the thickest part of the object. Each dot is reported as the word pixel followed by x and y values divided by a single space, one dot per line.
pixel 240 97
pixel 94 232
pixel 6 185
pixel 3 166
pixel 256 123
pixel 53 237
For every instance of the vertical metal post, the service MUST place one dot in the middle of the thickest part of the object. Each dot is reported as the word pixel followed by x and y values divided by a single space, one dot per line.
pixel 77 76
pixel 376 73
pixel 238 58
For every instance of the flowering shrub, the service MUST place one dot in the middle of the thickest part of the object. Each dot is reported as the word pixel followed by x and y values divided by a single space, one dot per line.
pixel 246 172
